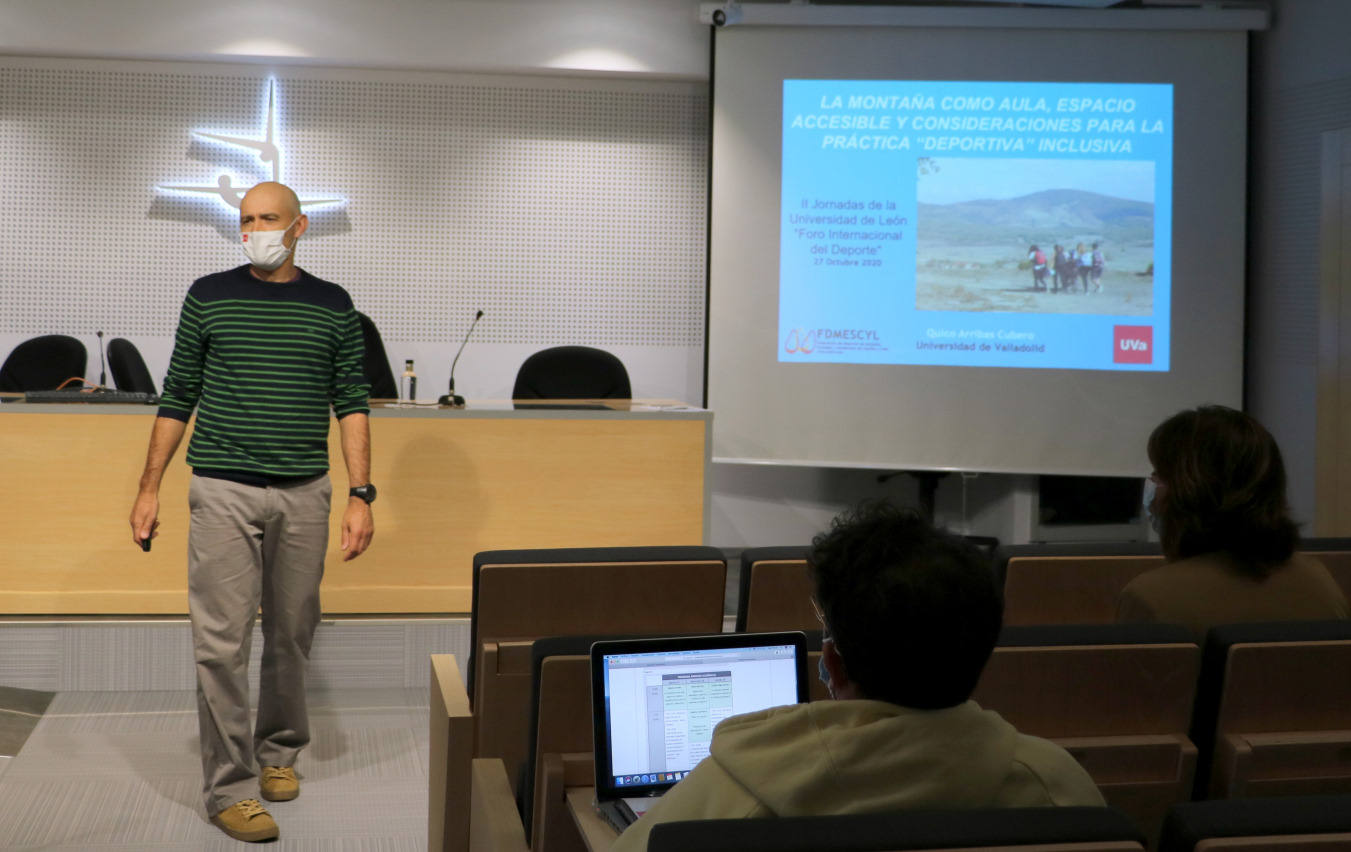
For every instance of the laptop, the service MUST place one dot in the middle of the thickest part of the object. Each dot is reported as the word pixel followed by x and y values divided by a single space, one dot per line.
pixel 655 703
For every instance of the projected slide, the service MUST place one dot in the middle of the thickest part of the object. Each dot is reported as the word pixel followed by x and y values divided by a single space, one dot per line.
pixel 976 224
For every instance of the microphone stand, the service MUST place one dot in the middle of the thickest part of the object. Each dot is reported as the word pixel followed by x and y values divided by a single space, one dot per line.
pixel 451 399
pixel 103 365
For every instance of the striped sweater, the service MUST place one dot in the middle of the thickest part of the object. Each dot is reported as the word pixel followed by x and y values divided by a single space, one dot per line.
pixel 262 363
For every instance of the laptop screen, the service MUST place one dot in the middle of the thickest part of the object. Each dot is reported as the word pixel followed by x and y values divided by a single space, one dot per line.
pixel 660 699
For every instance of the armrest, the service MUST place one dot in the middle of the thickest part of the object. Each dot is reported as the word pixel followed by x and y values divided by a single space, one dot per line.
pixel 553 827
pixel 1134 759
pixel 449 753
pixel 494 824
pixel 1244 761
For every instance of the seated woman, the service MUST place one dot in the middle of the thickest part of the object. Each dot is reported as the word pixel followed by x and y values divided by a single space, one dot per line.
pixel 1217 499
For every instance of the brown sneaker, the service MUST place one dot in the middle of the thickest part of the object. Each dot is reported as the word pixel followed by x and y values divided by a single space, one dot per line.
pixel 248 821
pixel 279 784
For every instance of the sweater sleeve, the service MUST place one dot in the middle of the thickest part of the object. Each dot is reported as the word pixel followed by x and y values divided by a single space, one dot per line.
pixel 183 382
pixel 350 390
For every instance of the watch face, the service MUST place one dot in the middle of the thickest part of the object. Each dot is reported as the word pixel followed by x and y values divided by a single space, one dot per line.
pixel 365 492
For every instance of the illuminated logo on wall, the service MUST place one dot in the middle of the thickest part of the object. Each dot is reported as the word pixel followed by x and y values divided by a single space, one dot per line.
pixel 268 152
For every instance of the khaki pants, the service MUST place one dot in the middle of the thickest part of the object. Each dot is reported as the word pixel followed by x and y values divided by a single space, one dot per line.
pixel 250 547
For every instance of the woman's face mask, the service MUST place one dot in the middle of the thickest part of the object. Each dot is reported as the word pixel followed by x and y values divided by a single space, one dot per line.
pixel 1151 494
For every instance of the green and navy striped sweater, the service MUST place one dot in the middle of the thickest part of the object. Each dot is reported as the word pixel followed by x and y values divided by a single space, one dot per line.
pixel 262 363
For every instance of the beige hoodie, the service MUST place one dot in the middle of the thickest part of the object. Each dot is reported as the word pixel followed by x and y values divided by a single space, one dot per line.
pixel 842 757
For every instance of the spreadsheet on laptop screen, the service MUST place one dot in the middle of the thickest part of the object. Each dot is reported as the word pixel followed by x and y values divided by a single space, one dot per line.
pixel 661 707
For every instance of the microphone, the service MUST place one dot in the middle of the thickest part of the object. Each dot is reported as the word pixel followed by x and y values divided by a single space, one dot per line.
pixel 103 364
pixel 451 398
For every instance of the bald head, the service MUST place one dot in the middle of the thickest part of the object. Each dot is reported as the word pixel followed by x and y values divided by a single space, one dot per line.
pixel 271 195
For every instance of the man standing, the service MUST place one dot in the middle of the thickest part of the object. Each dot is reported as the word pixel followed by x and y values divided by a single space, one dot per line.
pixel 911 615
pixel 262 352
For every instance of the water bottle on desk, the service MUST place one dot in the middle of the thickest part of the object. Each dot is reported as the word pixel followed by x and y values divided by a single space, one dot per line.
pixel 408 383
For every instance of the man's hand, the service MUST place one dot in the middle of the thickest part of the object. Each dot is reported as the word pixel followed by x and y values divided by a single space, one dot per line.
pixel 164 437
pixel 145 516
pixel 358 527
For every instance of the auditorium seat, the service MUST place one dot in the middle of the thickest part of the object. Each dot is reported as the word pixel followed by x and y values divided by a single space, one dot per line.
pixel 1069 583
pixel 775 591
pixel 1118 697
pixel 523 595
pixel 561 740
pixel 1080 583
pixel 43 363
pixel 1335 553
pixel 572 372
pixel 449 753
pixel 1020 829
pixel 494 824
pixel 1286 824
pixel 1274 710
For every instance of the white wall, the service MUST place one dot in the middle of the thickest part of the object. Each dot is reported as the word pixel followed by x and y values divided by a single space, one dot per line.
pixel 1301 82
pixel 660 38
pixel 1301 87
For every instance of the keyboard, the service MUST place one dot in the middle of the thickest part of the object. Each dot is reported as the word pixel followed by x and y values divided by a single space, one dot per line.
pixel 104 396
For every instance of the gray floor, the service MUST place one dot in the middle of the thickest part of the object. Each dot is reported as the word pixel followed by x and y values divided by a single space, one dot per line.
pixel 120 770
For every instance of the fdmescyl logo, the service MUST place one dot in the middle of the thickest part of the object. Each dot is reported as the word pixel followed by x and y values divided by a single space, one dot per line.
pixel 846 334
pixel 800 341
pixel 804 341
pixel 267 150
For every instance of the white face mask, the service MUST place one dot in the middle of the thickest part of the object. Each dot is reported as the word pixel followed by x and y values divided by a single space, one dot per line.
pixel 266 249
pixel 1151 491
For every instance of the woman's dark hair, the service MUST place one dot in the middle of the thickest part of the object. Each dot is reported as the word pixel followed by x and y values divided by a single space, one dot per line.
pixel 1224 487
pixel 914 611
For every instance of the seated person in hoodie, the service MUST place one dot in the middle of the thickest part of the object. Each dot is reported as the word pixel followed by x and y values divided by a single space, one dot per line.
pixel 911 615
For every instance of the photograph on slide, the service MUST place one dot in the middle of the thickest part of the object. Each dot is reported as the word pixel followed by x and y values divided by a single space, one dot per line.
pixel 1069 236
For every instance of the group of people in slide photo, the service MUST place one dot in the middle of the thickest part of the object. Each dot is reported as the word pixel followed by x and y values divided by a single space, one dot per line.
pixel 1065 266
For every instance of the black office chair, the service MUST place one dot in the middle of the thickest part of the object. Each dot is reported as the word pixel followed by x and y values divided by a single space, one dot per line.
pixel 376 363
pixel 43 363
pixel 128 367
pixel 572 372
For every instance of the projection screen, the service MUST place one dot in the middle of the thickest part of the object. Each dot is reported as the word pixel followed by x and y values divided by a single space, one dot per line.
pixel 1001 249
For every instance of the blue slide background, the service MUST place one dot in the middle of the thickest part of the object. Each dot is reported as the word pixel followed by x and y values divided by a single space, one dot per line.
pixel 853 300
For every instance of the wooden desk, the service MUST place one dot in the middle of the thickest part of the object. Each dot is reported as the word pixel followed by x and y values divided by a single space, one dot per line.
pixel 596 833
pixel 452 483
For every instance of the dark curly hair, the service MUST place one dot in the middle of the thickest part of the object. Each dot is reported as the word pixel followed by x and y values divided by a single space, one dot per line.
pixel 913 610
pixel 1225 489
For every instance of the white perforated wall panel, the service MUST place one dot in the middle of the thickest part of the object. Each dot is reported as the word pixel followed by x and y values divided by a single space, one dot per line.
pixel 570 210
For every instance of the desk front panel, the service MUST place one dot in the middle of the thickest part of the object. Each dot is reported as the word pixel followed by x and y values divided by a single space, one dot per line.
pixel 450 486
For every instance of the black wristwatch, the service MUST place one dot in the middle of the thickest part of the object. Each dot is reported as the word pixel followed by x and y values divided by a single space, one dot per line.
pixel 365 492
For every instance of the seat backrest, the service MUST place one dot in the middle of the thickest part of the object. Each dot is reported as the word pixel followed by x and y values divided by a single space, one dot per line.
pixel 1069 583
pixel 561 723
pixel 521 596
pixel 375 362
pixel 1292 677
pixel 43 363
pixel 1118 697
pixel 572 372
pixel 775 590
pixel 128 367
pixel 1292 823
pixel 1092 680
pixel 1023 829
pixel 1335 554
